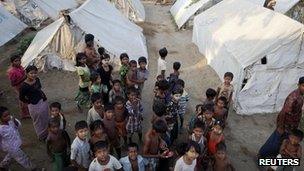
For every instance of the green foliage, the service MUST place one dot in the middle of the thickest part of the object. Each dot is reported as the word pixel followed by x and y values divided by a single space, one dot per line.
pixel 24 44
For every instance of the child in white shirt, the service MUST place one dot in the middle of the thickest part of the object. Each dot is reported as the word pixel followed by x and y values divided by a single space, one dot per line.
pixel 161 63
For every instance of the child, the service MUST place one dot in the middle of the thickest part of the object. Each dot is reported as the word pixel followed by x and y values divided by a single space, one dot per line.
pixel 214 137
pixel 174 76
pixel 55 112
pixel 182 103
pixel 11 141
pixel 98 133
pixel 124 59
pixel 96 112
pixel 208 119
pixel 105 71
pixel 16 75
pixel 171 117
pixel 101 51
pixel 90 51
pixel 57 144
pixel 95 83
pixel 153 144
pixel 131 78
pixel 221 161
pixel 210 96
pixel 142 73
pixel 133 161
pixel 135 117
pixel 112 132
pixel 83 95
pixel 121 115
pixel 226 88
pixel 188 160
pixel 116 91
pixel 220 112
pixel 159 112
pixel 198 135
pixel 160 94
pixel 80 148
pixel 197 117
pixel 291 147
pixel 103 160
pixel 161 63
pixel 158 79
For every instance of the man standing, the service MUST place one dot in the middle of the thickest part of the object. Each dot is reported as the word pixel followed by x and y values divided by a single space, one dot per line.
pixel 288 119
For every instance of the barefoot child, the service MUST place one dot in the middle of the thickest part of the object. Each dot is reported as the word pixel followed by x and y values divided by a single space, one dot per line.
pixel 112 132
pixel 57 144
pixel 96 112
pixel 133 161
pixel 80 148
pixel 220 111
pixel 11 141
pixel 135 118
pixel 83 95
pixel 188 161
pixel 121 115
pixel 55 112
pixel 142 73
pixel 153 143
pixel 226 88
pixel 16 75
pixel 104 161
pixel 116 91
pixel 221 161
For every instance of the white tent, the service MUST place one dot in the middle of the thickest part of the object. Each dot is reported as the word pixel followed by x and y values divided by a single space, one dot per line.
pixel 10 26
pixel 34 12
pixel 55 45
pixel 132 9
pixel 183 10
pixel 235 35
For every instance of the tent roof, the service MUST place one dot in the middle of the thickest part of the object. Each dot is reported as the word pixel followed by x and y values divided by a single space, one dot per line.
pixel 246 30
pixel 10 26
pixel 111 29
pixel 53 7
pixel 41 40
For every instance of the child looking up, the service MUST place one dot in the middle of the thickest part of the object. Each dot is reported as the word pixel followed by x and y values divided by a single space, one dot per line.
pixel 197 117
pixel 16 75
pixel 226 88
pixel 133 161
pixel 220 111
pixel 83 95
pixel 121 115
pixel 104 161
pixel 80 148
pixel 135 118
pixel 161 63
pixel 182 102
pixel 215 136
pixel 124 68
pixel 208 119
pixel 110 126
pixel 96 112
pixel 98 133
pixel 221 161
pixel 116 91
pixel 188 160
pixel 55 112
pixel 198 135
pixel 57 144
pixel 210 96
pixel 142 73
pixel 11 141
pixel 95 83
pixel 131 78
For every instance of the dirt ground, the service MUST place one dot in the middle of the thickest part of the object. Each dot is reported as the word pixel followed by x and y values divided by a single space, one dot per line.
pixel 244 134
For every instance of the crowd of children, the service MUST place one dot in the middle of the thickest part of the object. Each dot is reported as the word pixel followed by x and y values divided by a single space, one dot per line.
pixel 116 113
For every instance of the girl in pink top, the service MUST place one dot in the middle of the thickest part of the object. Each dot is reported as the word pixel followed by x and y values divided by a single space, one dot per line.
pixel 16 75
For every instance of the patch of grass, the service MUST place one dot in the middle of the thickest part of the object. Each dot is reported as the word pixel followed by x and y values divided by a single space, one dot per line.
pixel 24 44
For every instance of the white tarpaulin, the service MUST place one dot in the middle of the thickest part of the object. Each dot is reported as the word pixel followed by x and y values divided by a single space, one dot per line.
pixel 235 35
pixel 113 31
pixel 10 26
pixel 182 10
pixel 53 7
